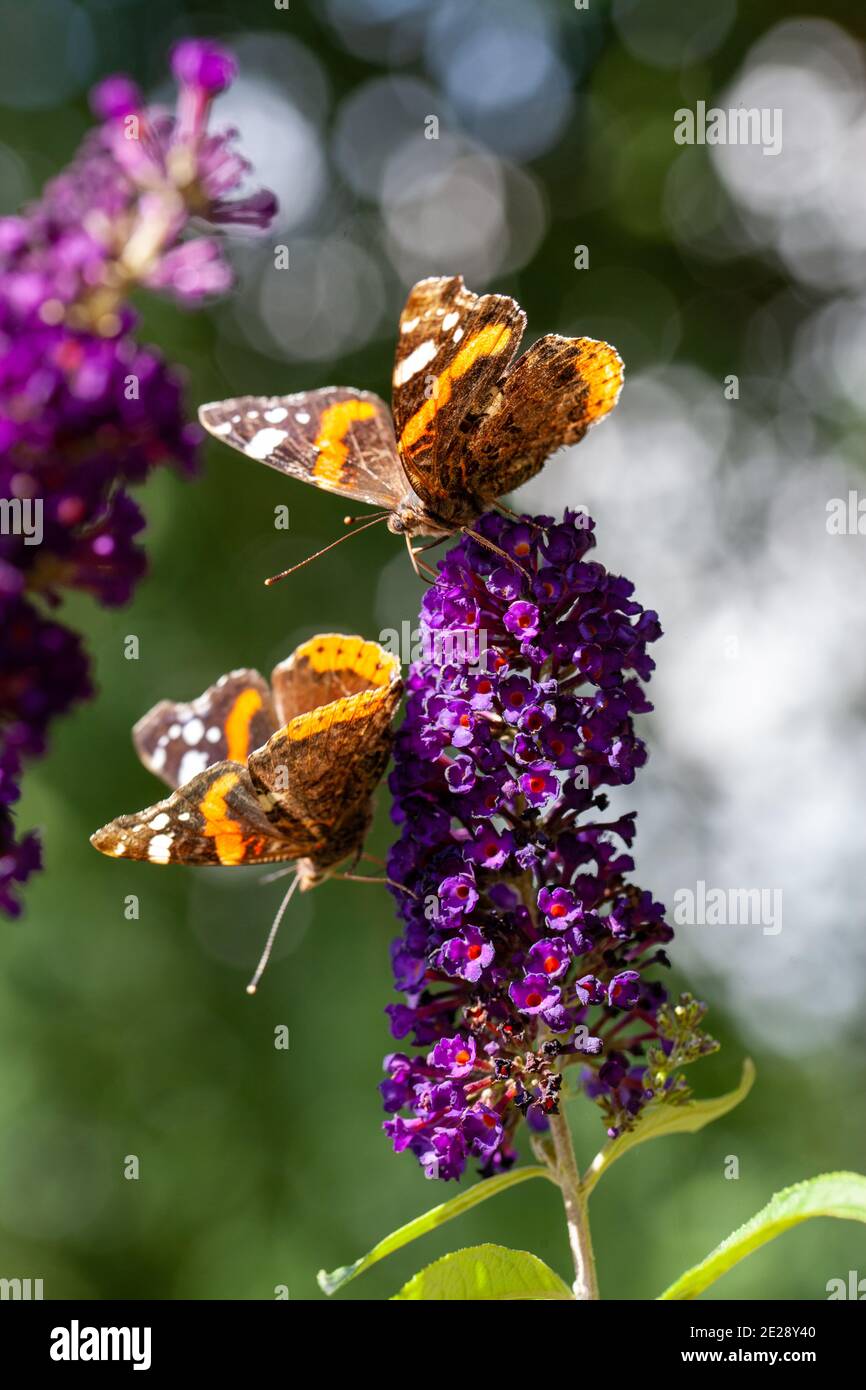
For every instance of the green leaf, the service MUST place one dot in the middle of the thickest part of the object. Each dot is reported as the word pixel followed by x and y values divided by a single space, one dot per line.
pixel 659 1119
pixel 831 1194
pixel 487 1274
pixel 436 1216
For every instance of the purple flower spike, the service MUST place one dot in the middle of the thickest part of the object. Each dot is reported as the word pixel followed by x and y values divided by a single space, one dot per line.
pixel 87 412
pixel 524 943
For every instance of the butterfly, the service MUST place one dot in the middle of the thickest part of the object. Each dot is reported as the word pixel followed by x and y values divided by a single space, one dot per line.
pixel 264 773
pixel 468 425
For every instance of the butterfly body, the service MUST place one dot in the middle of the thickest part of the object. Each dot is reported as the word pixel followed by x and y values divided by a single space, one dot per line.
pixel 263 773
pixel 468 423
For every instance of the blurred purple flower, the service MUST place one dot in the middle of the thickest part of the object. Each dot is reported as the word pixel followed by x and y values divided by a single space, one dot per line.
pixel 531 947
pixel 85 409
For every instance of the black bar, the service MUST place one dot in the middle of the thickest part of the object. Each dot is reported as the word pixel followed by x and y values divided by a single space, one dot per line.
pixel 246 1337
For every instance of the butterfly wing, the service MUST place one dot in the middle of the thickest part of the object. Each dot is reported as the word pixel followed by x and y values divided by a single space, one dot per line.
pixel 555 392
pixel 330 667
pixel 176 741
pixel 338 439
pixel 454 348
pixel 216 818
pixel 322 766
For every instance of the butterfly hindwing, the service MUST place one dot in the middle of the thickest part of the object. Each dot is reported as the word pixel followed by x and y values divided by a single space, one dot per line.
pixel 554 393
pixel 329 667
pixel 337 438
pixel 323 765
pixel 175 740
pixel 219 817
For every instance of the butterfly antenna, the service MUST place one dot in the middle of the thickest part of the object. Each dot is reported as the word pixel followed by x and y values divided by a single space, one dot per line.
pixel 272 936
pixel 353 520
pixel 285 573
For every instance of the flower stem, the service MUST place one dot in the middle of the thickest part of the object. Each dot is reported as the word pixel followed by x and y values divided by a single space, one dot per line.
pixel 577 1217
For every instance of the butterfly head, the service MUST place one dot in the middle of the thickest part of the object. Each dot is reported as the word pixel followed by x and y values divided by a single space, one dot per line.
pixel 411 518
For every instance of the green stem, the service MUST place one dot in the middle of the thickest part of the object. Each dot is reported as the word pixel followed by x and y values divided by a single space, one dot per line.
pixel 576 1214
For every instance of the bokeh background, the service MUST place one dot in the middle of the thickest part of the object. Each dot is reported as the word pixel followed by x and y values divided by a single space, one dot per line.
pixel 555 130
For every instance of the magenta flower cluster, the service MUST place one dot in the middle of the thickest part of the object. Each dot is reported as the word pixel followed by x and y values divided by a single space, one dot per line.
pixel 526 949
pixel 86 409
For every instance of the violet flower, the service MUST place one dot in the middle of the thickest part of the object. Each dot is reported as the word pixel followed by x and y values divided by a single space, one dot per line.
pixel 85 409
pixel 526 949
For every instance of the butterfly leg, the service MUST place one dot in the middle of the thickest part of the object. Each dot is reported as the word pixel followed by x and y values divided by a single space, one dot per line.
pixel 418 566
pixel 482 540
pixel 515 516
pixel 365 878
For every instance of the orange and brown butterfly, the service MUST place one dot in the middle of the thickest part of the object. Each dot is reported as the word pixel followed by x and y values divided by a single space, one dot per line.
pixel 469 424
pixel 267 773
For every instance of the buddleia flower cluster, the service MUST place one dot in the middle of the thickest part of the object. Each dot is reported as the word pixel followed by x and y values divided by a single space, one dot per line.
pixel 85 408
pixel 528 955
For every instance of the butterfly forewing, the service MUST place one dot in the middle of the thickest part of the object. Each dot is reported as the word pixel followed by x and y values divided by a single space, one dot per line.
pixel 218 817
pixel 176 741
pixel 338 439
pixel 453 348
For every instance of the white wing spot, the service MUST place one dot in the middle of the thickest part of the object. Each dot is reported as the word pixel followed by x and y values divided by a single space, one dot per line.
pixel 449 321
pixel 274 416
pixel 174 731
pixel 264 442
pixel 157 757
pixel 457 335
pixel 193 732
pixel 224 427
pixel 414 362
pixel 410 325
pixel 159 849
pixel 191 764
pixel 302 417
pixel 213 734
pixel 161 821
